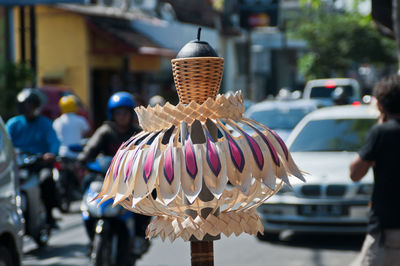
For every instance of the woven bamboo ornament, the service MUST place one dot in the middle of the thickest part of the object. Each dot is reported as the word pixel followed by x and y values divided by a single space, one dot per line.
pixel 241 170
pixel 197 78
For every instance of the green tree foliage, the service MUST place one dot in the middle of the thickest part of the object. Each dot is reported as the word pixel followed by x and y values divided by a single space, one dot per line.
pixel 339 41
pixel 311 3
pixel 13 78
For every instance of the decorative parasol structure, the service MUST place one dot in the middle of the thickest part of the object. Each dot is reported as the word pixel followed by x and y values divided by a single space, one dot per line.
pixel 209 166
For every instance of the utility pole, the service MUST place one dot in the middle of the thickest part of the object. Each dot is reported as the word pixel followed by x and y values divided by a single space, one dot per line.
pixel 22 33
pixel 32 30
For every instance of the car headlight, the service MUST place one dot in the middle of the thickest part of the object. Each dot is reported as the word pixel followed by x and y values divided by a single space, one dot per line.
pixel 365 189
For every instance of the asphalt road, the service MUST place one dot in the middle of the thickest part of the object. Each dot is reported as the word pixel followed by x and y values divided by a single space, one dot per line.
pixel 67 247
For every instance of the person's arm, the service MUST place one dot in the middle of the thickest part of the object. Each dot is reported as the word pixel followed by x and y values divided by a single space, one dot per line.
pixel 366 156
pixel 52 140
pixel 85 127
pixel 94 146
pixel 359 168
pixel 10 129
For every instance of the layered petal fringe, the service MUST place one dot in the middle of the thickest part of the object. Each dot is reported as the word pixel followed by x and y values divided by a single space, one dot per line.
pixel 242 163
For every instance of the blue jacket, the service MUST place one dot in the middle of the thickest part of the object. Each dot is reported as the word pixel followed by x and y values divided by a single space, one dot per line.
pixel 36 137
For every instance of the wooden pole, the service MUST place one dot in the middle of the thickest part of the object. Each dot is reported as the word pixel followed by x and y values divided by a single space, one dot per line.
pixel 202 253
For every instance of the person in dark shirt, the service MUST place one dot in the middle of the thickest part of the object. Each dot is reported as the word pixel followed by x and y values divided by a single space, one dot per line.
pixel 106 140
pixel 380 151
pixel 112 133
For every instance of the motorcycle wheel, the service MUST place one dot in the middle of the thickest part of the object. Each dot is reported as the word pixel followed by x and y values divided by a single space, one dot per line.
pixel 42 238
pixel 101 251
pixel 64 202
pixel 101 254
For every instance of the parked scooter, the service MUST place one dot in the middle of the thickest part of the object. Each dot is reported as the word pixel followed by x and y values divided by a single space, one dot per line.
pixel 112 228
pixel 70 178
pixel 31 203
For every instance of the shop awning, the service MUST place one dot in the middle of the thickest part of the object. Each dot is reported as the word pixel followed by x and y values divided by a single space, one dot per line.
pixel 126 38
pixel 37 2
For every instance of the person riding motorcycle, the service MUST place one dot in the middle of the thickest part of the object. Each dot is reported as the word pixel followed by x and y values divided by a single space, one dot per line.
pixel 70 127
pixel 107 139
pixel 33 133
pixel 112 133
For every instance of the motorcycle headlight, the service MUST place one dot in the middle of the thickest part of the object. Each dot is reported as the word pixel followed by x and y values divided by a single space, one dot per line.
pixel 56 174
pixel 94 210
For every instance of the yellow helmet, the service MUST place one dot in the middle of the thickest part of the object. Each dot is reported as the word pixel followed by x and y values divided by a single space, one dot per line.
pixel 68 104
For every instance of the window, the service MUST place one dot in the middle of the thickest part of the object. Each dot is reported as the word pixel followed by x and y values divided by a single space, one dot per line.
pixel 280 118
pixel 332 135
pixel 326 92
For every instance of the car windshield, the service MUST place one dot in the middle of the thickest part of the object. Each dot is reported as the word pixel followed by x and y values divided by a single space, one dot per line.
pixel 280 118
pixel 332 135
pixel 326 92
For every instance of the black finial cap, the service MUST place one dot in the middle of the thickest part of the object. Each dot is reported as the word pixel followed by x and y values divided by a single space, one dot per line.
pixel 197 48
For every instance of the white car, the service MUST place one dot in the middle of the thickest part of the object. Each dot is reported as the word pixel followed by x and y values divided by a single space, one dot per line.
pixel 280 115
pixel 321 90
pixel 11 220
pixel 323 144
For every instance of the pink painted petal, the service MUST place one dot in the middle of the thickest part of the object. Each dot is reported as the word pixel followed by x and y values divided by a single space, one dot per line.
pixel 255 149
pixel 190 158
pixel 133 158
pixel 148 164
pixel 258 157
pixel 212 156
pixel 284 148
pixel 130 163
pixel 236 153
pixel 116 171
pixel 271 148
pixel 150 158
pixel 169 165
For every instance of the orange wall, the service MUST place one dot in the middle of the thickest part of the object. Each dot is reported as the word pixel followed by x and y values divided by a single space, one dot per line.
pixel 62 48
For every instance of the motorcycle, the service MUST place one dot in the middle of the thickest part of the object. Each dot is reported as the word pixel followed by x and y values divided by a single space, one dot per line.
pixel 69 181
pixel 32 206
pixel 113 239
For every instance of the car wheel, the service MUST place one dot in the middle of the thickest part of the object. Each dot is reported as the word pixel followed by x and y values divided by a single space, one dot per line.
pixel 272 237
pixel 5 257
